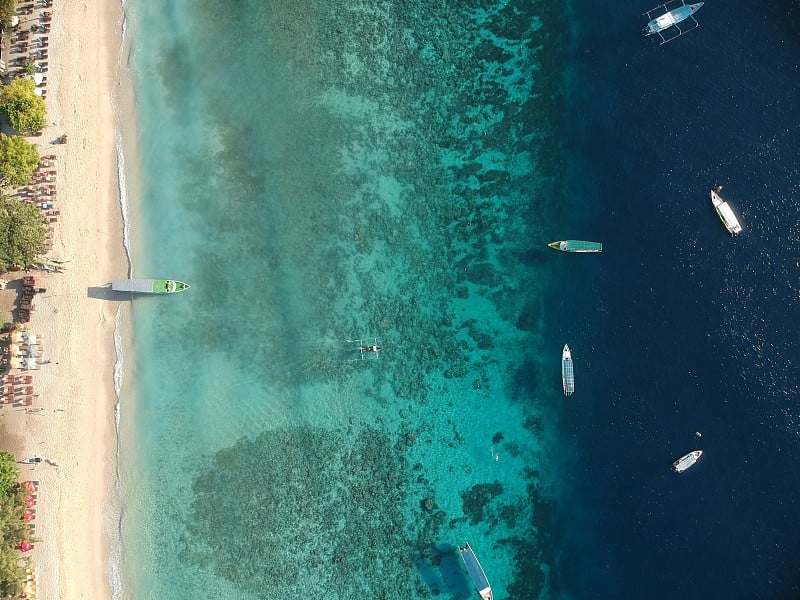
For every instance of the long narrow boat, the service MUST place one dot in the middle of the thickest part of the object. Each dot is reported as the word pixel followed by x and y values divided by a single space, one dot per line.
pixel 686 461
pixel 149 286
pixel 672 18
pixel 475 571
pixel 567 373
pixel 725 212
pixel 576 246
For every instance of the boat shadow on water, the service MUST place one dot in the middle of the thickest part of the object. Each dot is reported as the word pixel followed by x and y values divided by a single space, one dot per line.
pixel 442 571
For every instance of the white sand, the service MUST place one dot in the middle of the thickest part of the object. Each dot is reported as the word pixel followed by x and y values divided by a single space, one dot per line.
pixel 75 426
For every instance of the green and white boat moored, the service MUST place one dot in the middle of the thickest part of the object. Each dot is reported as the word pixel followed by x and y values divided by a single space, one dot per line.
pixel 149 286
pixel 576 246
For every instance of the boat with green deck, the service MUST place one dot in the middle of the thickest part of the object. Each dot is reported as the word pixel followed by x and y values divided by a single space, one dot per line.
pixel 576 246
pixel 149 286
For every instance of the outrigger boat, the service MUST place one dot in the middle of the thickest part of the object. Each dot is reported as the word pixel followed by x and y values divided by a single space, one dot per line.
pixel 365 349
pixel 686 461
pixel 475 571
pixel 576 246
pixel 725 212
pixel 567 373
pixel 674 13
pixel 149 286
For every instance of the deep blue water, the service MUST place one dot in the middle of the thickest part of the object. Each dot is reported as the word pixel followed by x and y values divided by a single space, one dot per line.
pixel 677 327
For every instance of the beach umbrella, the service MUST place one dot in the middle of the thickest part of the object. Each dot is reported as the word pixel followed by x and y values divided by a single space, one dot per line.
pixel 14 21
pixel 30 486
pixel 30 363
pixel 28 516
pixel 13 349
pixel 17 336
pixel 38 78
pixel 25 546
pixel 30 501
pixel 38 91
pixel 31 337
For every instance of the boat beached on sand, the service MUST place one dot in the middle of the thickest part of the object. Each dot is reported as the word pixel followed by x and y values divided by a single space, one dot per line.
pixel 567 373
pixel 149 286
pixel 726 214
pixel 475 571
pixel 576 246
pixel 686 461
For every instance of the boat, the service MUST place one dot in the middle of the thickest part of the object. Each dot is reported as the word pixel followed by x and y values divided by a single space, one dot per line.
pixel 475 571
pixel 576 246
pixel 686 461
pixel 149 286
pixel 725 212
pixel 670 18
pixel 567 373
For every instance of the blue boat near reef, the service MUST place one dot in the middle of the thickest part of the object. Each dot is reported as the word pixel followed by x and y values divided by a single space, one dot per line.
pixel 475 571
pixel 567 373
pixel 576 246
pixel 674 13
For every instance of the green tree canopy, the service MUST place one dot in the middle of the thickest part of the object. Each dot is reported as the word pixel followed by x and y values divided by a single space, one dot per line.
pixel 7 10
pixel 9 473
pixel 22 237
pixel 13 530
pixel 18 160
pixel 24 110
pixel 12 573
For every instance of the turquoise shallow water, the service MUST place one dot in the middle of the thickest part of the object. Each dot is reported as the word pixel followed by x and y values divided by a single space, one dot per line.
pixel 319 174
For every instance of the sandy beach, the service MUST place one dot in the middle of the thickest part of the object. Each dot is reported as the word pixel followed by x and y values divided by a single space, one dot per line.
pixel 72 420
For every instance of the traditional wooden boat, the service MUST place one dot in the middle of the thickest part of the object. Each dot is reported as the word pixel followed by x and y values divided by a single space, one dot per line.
pixel 675 12
pixel 149 286
pixel 567 372
pixel 576 246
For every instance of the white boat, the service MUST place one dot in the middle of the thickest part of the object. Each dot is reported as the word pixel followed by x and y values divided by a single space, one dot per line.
pixel 475 571
pixel 674 13
pixel 726 214
pixel 686 461
pixel 567 372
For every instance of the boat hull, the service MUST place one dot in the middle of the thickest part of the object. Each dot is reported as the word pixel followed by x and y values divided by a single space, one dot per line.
pixel 671 18
pixel 687 461
pixel 149 286
pixel 576 246
pixel 725 213
pixel 475 571
pixel 567 371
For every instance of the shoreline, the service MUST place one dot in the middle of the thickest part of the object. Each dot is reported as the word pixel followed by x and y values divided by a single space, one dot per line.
pixel 74 424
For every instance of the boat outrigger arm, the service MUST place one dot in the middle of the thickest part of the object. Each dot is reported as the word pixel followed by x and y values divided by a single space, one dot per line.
pixel 366 348
pixel 674 12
